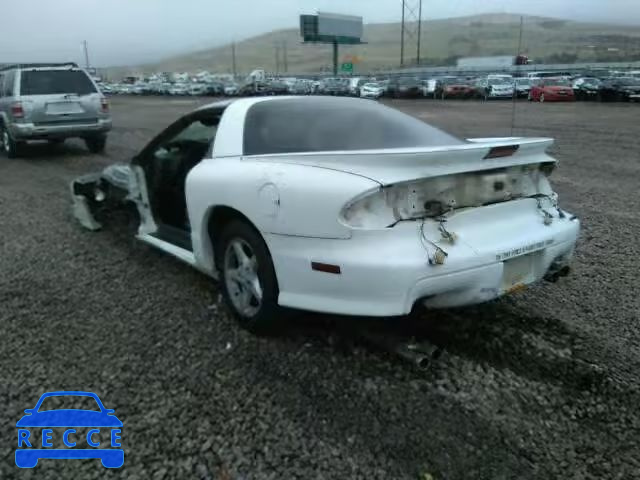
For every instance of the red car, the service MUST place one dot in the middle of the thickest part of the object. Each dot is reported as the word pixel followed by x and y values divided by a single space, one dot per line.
pixel 551 90
pixel 454 88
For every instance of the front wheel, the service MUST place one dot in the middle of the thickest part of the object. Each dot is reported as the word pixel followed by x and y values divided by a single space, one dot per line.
pixel 248 278
pixel 96 144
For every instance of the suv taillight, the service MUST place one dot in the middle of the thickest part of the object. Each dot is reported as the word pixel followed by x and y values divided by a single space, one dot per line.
pixel 16 110
pixel 104 105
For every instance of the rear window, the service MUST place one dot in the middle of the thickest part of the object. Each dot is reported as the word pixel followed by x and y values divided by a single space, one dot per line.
pixel 46 82
pixel 329 124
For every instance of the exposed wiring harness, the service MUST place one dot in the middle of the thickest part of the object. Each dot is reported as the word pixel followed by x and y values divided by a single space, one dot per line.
pixel 548 218
pixel 439 255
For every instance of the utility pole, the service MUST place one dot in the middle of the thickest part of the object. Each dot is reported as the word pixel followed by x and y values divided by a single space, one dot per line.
pixel 335 58
pixel 411 28
pixel 86 54
pixel 233 59
pixel 284 55
pixel 419 32
pixel 402 36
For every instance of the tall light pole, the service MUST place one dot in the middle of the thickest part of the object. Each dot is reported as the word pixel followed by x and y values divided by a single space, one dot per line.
pixel 419 32
pixel 284 56
pixel 402 36
pixel 233 58
pixel 86 54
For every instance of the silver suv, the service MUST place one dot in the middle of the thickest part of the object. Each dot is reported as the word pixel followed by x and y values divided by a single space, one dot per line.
pixel 50 102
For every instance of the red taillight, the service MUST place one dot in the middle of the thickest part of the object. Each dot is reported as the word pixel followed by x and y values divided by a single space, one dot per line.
pixel 104 105
pixel 503 151
pixel 16 110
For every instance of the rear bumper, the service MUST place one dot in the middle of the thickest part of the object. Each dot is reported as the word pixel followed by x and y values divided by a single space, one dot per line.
pixel 507 96
pixel 31 131
pixel 554 97
pixel 385 272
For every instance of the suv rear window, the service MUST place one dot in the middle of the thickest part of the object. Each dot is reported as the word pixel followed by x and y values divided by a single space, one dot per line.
pixel 46 82
pixel 330 124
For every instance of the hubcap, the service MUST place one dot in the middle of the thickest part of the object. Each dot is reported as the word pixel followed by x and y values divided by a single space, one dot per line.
pixel 241 277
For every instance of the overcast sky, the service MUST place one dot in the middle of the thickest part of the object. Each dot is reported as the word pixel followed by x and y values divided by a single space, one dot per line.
pixel 121 32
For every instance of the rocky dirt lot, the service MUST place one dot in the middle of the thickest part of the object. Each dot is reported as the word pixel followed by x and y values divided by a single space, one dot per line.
pixel 541 384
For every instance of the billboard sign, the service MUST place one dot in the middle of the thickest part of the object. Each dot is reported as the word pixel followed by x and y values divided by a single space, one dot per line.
pixel 330 28
pixel 335 25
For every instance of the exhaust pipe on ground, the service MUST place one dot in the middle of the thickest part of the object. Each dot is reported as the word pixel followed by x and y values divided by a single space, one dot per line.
pixel 554 275
pixel 420 354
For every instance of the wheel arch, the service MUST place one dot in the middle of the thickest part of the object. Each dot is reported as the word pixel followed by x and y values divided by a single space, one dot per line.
pixel 216 218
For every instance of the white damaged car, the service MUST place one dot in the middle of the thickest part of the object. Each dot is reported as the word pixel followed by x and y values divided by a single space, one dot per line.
pixel 339 205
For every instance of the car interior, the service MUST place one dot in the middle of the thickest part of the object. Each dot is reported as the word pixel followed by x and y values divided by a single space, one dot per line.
pixel 178 150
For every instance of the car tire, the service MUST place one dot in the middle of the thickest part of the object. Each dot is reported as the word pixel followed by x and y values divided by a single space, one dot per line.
pixel 10 147
pixel 96 144
pixel 246 272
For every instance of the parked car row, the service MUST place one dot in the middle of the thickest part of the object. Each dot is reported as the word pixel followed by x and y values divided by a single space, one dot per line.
pixel 543 88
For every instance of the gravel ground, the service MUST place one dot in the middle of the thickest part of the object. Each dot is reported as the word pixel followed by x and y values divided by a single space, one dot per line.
pixel 541 384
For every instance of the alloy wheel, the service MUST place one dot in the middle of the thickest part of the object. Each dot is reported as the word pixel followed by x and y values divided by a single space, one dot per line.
pixel 241 277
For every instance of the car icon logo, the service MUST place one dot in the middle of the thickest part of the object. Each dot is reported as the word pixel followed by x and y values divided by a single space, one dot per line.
pixel 68 427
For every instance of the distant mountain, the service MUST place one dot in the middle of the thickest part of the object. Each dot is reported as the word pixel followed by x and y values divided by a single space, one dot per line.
pixel 543 39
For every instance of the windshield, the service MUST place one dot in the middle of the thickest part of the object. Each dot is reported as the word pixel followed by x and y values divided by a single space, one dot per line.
pixel 591 81
pixel 627 81
pixel 408 81
pixel 500 81
pixel 315 125
pixel 47 82
pixel 556 82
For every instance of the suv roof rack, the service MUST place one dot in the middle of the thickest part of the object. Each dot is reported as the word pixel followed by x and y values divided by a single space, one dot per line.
pixel 11 66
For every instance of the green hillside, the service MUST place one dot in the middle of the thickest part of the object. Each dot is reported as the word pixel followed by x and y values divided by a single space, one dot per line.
pixel 544 40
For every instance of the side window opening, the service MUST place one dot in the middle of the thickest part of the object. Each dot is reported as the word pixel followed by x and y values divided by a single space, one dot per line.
pixel 172 160
pixel 7 88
